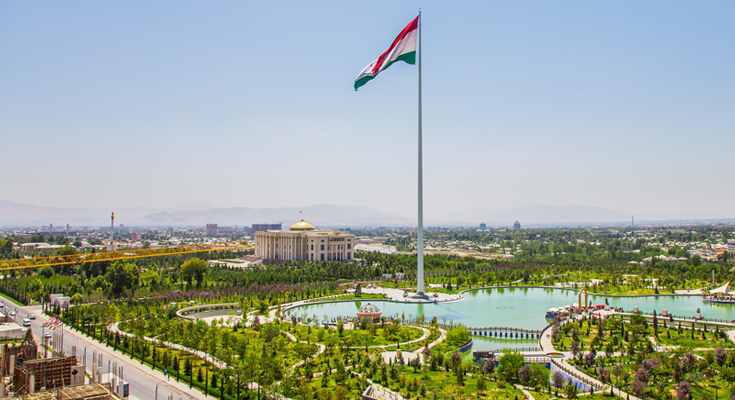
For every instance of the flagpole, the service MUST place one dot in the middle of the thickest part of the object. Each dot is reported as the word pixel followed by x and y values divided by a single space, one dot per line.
pixel 420 233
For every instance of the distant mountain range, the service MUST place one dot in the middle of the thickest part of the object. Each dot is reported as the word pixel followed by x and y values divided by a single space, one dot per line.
pixel 16 214
pixel 325 215
pixel 322 215
pixel 541 214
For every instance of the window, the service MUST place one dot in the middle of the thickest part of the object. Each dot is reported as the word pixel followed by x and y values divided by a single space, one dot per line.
pixel 322 250
pixel 322 256
pixel 312 247
pixel 349 255
pixel 349 246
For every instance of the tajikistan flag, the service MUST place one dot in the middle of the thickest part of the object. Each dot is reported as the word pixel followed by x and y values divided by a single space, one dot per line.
pixel 402 49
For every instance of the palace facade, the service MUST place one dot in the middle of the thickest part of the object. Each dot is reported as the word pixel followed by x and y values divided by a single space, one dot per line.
pixel 303 242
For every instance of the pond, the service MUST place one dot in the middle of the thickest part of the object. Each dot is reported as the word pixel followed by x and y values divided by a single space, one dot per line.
pixel 516 307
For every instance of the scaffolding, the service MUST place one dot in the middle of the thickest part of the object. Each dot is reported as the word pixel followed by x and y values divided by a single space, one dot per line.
pixel 47 373
pixel 28 349
pixel 94 391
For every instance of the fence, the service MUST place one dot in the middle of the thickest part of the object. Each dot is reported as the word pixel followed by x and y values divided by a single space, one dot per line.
pixel 577 375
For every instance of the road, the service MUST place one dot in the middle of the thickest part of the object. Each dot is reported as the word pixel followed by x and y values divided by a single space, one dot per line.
pixel 142 379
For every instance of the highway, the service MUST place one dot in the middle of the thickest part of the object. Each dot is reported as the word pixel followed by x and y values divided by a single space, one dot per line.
pixel 142 379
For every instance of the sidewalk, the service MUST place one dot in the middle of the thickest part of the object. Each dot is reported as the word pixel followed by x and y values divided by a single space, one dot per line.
pixel 157 376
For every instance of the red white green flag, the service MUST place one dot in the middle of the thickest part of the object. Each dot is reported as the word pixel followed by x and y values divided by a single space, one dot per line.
pixel 402 49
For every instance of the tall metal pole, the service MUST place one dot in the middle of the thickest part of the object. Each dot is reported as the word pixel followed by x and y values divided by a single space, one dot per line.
pixel 112 228
pixel 420 233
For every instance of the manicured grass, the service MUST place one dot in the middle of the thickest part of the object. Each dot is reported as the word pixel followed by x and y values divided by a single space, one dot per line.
pixel 408 383
pixel 355 337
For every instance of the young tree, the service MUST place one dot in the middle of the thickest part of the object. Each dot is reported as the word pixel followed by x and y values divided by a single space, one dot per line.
pixel 557 379
pixel 720 356
pixel 481 384
pixel 571 389
pixel 683 391
pixel 525 374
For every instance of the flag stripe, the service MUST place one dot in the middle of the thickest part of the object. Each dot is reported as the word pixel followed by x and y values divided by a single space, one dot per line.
pixel 403 49
pixel 399 42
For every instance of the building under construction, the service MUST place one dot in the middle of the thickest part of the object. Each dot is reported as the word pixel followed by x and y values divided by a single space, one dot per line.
pixel 28 377
pixel 32 376
pixel 94 391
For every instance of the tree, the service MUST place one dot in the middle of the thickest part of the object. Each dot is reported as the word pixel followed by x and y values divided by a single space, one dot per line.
pixel 46 272
pixel 574 348
pixel 122 277
pixel 509 364
pixel 525 374
pixel 193 270
pixel 340 393
pixel 489 366
pixel 540 375
pixel 6 246
pixel 720 356
pixel 571 389
pixel 557 379
pixel 67 250
pixel 683 391
pixel 589 358
pixel 481 384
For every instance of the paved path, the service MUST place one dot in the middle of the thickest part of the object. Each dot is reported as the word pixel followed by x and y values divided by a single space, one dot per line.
pixel 408 356
pixel 397 295
pixel 321 350
pixel 209 358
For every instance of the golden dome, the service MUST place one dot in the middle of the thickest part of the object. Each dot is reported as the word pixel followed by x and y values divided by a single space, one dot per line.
pixel 302 226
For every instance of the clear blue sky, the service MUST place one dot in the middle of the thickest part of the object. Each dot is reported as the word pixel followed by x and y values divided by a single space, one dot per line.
pixel 628 105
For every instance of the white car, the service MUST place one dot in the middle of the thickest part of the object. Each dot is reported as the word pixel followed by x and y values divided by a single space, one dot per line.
pixel 47 335
pixel 32 316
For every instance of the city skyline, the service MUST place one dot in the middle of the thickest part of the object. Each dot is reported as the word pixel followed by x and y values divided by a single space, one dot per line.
pixel 623 106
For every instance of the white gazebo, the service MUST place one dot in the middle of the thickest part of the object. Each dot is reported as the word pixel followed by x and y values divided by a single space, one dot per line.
pixel 723 294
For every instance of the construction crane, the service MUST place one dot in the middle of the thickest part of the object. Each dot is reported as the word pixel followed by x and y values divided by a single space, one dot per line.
pixel 36 262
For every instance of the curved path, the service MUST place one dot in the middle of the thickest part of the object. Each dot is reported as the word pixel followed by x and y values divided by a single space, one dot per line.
pixel 322 349
pixel 114 328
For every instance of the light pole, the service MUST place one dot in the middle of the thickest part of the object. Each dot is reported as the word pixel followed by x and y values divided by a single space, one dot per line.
pixel 156 391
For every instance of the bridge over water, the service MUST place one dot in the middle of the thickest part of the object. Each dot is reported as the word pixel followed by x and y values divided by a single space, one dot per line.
pixel 505 332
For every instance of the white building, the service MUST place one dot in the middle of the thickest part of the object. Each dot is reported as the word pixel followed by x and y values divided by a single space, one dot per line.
pixel 303 242
pixel 731 246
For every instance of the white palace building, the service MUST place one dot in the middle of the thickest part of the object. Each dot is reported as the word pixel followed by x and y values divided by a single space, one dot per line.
pixel 303 242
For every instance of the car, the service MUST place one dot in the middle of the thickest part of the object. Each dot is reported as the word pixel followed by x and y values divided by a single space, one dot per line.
pixel 26 322
pixel 47 335
pixel 32 316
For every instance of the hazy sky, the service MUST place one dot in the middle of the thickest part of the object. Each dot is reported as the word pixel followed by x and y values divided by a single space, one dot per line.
pixel 628 105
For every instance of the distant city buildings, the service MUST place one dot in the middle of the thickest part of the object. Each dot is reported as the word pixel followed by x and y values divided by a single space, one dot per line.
pixel 303 242
pixel 265 227
pixel 483 226
pixel 211 229
pixel 517 226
